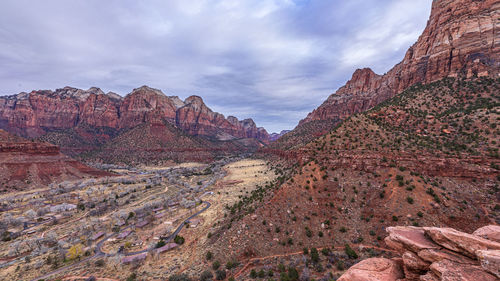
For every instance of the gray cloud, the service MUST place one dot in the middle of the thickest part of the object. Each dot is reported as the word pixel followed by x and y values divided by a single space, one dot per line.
pixel 272 60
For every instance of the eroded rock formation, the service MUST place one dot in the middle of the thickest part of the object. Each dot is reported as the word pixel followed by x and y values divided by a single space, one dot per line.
pixel 461 39
pixel 432 253
pixel 36 113
pixel 24 163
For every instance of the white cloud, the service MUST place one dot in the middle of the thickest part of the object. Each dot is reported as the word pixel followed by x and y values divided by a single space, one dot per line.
pixel 272 60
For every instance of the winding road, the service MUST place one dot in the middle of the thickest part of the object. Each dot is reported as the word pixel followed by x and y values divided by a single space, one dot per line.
pixel 100 253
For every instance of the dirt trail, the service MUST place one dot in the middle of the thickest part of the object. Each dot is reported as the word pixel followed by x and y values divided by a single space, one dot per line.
pixel 251 262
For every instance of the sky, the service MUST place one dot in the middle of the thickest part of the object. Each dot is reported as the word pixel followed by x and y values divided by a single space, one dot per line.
pixel 270 60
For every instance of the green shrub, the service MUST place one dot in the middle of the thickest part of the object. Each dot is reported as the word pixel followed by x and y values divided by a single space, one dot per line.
pixel 215 265
pixel 220 274
pixel 350 252
pixel 206 276
pixel 179 240
pixel 314 255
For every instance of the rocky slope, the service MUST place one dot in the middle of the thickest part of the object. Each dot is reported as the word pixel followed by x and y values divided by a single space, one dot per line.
pixel 27 163
pixel 39 112
pixel 432 254
pixel 460 40
pixel 158 142
pixel 425 157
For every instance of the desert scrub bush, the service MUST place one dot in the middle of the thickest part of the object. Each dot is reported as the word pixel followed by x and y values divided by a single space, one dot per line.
pixel 314 255
pixel 179 240
pixel 209 255
pixel 206 276
pixel 350 252
pixel 215 265
pixel 175 277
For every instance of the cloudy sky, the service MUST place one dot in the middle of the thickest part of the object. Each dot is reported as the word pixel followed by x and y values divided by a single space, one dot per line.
pixel 271 60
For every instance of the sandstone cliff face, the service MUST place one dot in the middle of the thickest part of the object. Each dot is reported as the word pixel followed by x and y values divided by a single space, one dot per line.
pixel 461 40
pixel 146 105
pixel 36 113
pixel 32 114
pixel 197 119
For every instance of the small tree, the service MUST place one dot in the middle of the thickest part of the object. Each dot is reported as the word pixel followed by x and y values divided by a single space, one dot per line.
pixel 160 244
pixel 75 252
pixel 179 240
pixel 314 255
pixel 293 274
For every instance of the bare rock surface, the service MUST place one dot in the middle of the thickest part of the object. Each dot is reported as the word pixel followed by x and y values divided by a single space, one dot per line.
pixel 432 253
pixel 374 269
pixel 467 244
pixel 491 232
pixel 450 271
pixel 411 238
pixel 490 260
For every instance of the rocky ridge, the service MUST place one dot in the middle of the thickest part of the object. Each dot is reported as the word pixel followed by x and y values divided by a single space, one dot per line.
pixel 39 112
pixel 460 40
pixel 432 254
pixel 24 163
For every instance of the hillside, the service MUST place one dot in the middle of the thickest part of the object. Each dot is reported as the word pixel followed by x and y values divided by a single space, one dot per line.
pixel 157 142
pixel 428 156
pixel 27 163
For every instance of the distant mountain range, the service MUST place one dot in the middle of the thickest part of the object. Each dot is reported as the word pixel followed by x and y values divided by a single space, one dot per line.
pixel 276 136
pixel 86 121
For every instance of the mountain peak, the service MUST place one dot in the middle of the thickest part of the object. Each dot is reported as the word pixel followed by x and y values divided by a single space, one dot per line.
pixel 147 90
pixel 194 99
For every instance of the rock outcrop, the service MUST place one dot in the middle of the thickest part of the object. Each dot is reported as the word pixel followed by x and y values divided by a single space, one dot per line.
pixel 197 119
pixel 26 163
pixel 36 113
pixel 460 40
pixel 374 269
pixel 431 253
pixel 146 105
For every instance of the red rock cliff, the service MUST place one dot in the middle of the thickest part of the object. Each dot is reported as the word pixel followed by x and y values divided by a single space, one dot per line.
pixel 462 39
pixel 25 163
pixel 34 114
pixel 197 119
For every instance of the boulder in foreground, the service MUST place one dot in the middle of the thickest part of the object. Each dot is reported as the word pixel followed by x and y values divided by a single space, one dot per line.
pixel 432 254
